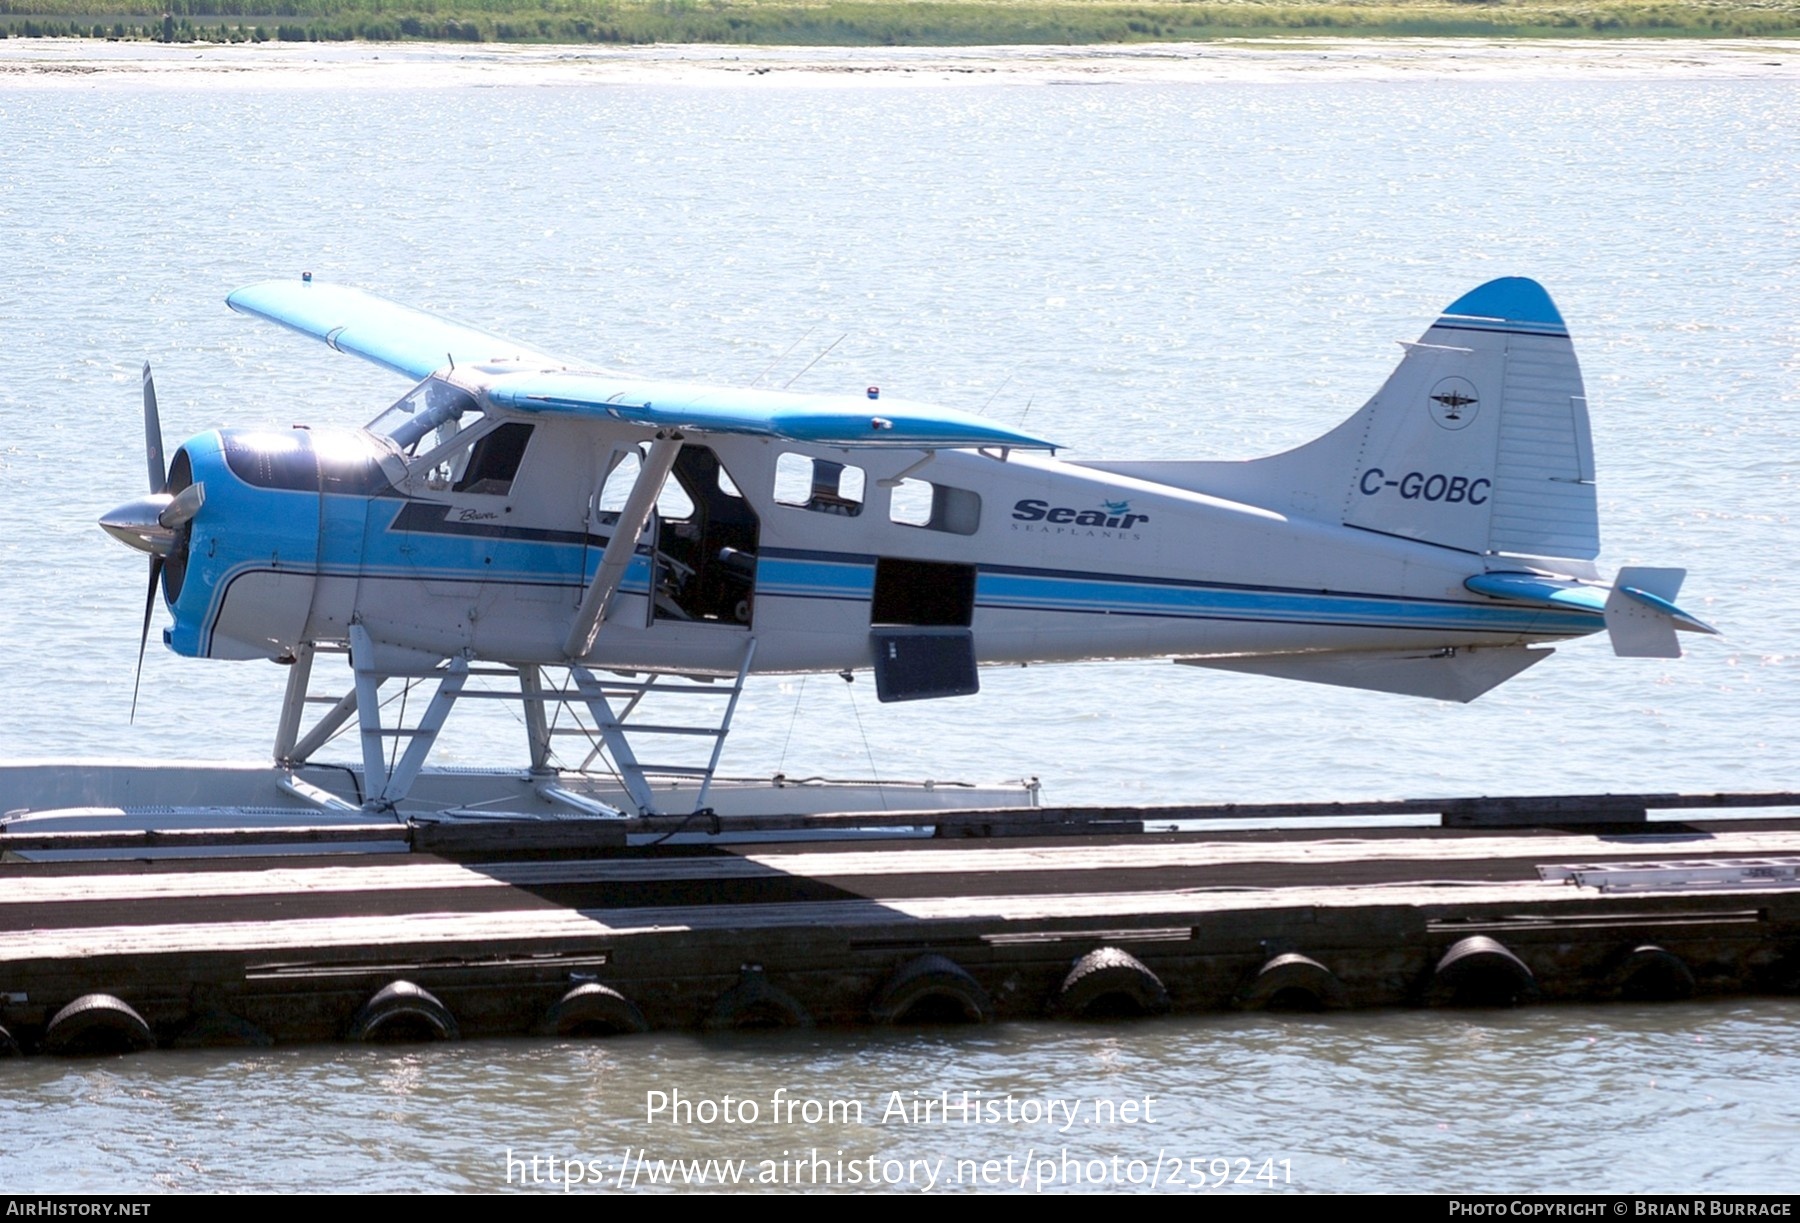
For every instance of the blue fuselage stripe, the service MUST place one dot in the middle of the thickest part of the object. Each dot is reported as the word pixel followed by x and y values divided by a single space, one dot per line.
pixel 452 556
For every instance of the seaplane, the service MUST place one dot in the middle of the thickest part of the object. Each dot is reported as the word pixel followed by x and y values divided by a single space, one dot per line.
pixel 522 526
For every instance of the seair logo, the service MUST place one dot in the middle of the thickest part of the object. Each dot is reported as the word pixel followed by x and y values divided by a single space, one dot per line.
pixel 1116 515
pixel 1417 486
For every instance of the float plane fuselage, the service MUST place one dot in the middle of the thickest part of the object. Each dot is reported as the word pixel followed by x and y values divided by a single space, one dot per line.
pixel 522 509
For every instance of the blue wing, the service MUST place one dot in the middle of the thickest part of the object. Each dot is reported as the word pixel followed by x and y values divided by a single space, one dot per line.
pixel 405 340
pixel 837 420
pixel 415 343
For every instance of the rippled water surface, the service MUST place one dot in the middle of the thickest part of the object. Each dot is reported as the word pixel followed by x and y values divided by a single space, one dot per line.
pixel 1583 1100
pixel 1208 269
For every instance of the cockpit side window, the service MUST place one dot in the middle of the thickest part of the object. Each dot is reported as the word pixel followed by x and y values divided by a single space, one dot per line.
pixel 494 460
pixel 476 460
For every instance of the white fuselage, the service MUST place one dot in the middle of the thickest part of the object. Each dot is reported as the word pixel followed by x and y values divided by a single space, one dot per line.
pixel 808 547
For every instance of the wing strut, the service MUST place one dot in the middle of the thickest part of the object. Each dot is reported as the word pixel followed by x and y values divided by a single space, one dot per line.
pixel 622 546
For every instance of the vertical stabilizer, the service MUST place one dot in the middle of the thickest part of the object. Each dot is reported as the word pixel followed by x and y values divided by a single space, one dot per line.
pixel 1479 440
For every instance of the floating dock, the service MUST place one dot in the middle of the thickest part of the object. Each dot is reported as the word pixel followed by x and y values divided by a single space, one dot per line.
pixel 577 927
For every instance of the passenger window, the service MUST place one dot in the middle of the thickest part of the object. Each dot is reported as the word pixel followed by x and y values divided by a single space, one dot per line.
pixel 818 485
pixel 936 507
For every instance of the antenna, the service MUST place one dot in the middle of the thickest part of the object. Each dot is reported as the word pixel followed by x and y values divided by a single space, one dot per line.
pixel 815 360
pixel 778 360
pixel 1004 383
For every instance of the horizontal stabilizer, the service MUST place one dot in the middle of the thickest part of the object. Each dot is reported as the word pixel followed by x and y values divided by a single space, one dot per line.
pixel 1641 616
pixel 833 420
pixel 1444 675
pixel 400 338
pixel 1557 594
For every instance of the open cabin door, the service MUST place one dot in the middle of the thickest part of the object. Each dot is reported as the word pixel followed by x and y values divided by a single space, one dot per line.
pixel 705 546
pixel 920 631
pixel 699 546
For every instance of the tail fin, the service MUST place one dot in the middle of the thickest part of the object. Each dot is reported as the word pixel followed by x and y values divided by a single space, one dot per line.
pixel 1478 441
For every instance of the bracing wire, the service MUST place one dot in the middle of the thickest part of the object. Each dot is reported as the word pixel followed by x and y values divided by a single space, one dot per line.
pixel 799 694
pixel 868 751
pixel 399 723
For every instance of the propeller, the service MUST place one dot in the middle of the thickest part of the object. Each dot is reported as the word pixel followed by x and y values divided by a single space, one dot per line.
pixel 159 485
pixel 156 524
pixel 137 678
pixel 153 447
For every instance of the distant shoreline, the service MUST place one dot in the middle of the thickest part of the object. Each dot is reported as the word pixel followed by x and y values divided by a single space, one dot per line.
pixel 73 62
pixel 884 23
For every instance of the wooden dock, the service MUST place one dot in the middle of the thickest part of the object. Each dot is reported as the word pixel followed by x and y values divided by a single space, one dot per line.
pixel 559 927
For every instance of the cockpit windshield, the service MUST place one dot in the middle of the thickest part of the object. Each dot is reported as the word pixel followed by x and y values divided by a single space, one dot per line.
pixel 434 409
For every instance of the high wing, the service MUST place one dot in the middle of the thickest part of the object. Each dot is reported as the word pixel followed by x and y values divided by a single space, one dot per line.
pixel 836 420
pixel 417 344
pixel 396 337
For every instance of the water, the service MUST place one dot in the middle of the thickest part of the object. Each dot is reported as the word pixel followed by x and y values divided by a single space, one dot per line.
pixel 1211 264
pixel 1572 1099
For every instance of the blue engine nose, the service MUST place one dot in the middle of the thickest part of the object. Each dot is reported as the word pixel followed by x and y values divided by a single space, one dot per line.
pixel 253 549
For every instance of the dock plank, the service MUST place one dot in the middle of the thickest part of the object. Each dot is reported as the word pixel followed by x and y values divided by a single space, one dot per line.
pixel 551 925
pixel 986 860
pixel 297 945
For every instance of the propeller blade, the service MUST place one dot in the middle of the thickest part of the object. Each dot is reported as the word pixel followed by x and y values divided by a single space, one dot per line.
pixel 153 446
pixel 179 512
pixel 156 568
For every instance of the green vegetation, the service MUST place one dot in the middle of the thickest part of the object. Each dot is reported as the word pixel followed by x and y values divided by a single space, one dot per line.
pixel 872 23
